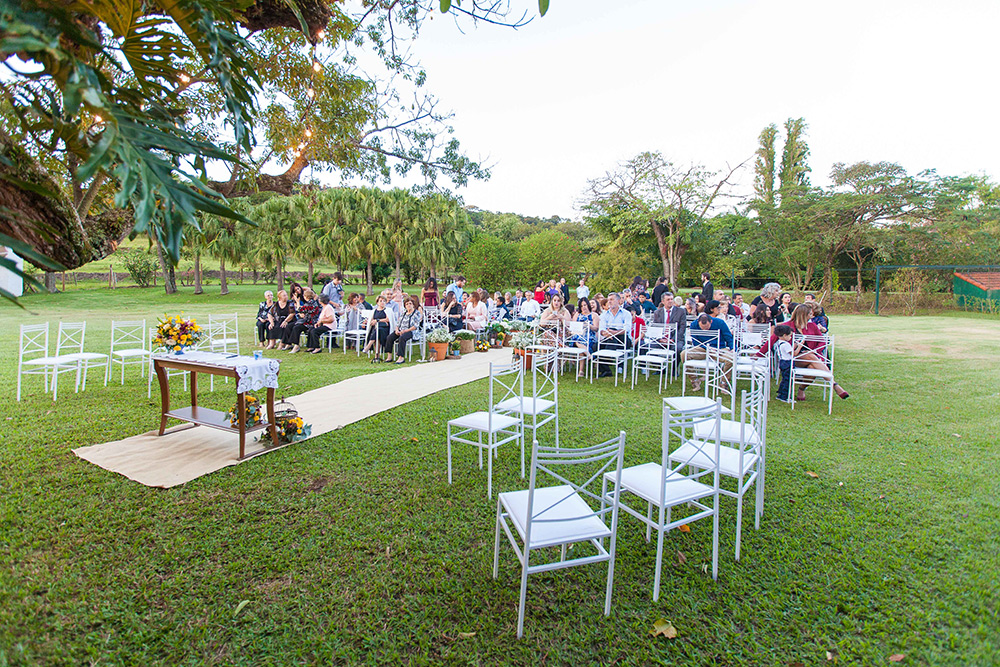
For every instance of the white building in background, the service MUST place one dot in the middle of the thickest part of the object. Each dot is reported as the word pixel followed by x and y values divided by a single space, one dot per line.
pixel 10 281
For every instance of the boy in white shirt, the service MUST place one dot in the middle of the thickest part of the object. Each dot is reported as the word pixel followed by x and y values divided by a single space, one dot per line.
pixel 785 353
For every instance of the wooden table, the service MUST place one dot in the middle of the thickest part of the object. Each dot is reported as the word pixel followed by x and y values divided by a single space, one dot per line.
pixel 206 416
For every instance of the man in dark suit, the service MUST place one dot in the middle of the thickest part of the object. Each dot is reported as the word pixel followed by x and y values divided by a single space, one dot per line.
pixel 707 290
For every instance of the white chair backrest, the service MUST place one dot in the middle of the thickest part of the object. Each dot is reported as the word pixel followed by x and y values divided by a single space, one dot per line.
pixel 506 382
pixel 577 328
pixel 130 335
pixel 821 346
pixel 702 458
pixel 223 325
pixel 699 338
pixel 544 375
pixel 556 462
pixel 34 341
pixel 71 335
pixel 751 339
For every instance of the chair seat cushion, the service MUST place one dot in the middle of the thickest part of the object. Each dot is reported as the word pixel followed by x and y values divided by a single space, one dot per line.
pixel 531 406
pixel 43 361
pixel 480 421
pixel 131 352
pixel 661 352
pixel 645 481
pixel 729 431
pixel 85 356
pixel 650 359
pixel 729 458
pixel 692 403
pixel 576 520
pixel 813 372
pixel 578 351
pixel 610 354
pixel 701 363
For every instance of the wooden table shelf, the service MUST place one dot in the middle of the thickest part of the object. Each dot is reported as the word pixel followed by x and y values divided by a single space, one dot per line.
pixel 201 416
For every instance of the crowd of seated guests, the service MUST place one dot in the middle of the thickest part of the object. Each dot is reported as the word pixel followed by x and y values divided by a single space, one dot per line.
pixel 608 322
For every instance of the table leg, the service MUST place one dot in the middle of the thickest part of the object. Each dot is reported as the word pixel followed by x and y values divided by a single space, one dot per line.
pixel 194 389
pixel 161 377
pixel 242 414
pixel 272 428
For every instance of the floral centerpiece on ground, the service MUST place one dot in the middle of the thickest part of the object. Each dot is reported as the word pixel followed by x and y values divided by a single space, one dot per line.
pixel 482 346
pixel 254 412
pixel 521 339
pixel 291 429
pixel 176 333
pixel 438 340
pixel 465 339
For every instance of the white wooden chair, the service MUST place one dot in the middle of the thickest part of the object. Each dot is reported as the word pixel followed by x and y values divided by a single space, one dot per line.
pixel 543 517
pixel 336 333
pixel 700 360
pixel 223 333
pixel 33 354
pixel 610 352
pixel 171 373
pixel 541 406
pixel 568 350
pixel 803 376
pixel 358 336
pixel 691 483
pixel 69 350
pixel 507 381
pixel 743 456
pixel 652 355
pixel 129 345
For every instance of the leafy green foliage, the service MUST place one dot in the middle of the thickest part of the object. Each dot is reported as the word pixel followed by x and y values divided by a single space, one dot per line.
pixel 140 265
pixel 548 254
pixel 490 262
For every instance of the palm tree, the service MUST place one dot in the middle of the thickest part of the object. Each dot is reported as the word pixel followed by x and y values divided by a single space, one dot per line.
pixel 277 220
pixel 441 233
pixel 368 241
pixel 333 225
pixel 399 208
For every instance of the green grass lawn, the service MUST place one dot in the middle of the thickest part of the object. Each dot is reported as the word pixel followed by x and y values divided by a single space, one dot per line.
pixel 351 548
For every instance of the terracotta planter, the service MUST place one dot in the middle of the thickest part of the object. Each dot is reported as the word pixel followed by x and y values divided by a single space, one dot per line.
pixel 439 350
pixel 467 346
pixel 528 356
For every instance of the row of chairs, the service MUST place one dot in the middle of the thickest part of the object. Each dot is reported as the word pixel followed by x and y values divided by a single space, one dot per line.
pixel 698 447
pixel 131 344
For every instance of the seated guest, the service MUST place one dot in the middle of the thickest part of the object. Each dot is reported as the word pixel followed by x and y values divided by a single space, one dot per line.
pixel 295 294
pixel 539 293
pixel 475 314
pixel 678 318
pixel 408 328
pixel 819 316
pixel 452 311
pixel 379 325
pixel 646 306
pixel 761 316
pixel 785 308
pixel 588 341
pixel 768 300
pixel 615 323
pixel 691 306
pixel 393 307
pixel 515 305
pixel 815 358
pixel 719 349
pixel 530 310
pixel 263 309
pixel 597 304
pixel 280 322
pixel 305 319
pixel 327 321
pixel 554 319
pixel 742 305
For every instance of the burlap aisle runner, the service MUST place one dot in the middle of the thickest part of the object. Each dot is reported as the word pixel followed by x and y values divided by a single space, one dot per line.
pixel 184 453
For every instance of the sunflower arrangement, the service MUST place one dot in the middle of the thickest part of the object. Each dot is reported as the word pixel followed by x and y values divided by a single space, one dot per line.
pixel 254 412
pixel 176 333
pixel 291 429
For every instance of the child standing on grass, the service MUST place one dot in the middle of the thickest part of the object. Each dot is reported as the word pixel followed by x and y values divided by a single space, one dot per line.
pixel 783 347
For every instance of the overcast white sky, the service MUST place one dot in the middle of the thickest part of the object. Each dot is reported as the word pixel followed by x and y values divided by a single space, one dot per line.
pixel 596 81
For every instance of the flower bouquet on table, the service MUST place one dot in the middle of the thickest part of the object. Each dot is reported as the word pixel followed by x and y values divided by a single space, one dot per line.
pixel 254 412
pixel 176 333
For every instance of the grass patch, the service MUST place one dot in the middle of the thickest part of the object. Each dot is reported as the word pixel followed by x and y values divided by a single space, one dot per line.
pixel 352 548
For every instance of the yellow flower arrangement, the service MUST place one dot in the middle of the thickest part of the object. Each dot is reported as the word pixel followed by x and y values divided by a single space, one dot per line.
pixel 176 333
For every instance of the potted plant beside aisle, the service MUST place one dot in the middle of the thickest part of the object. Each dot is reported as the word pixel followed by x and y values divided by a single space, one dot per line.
pixel 520 340
pixel 466 341
pixel 438 340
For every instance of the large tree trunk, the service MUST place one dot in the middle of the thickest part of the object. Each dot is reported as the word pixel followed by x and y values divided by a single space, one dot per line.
pixel 169 280
pixel 50 282
pixel 309 275
pixel 197 273
pixel 280 266
pixel 223 283
pixel 399 276
pixel 434 272
pixel 368 275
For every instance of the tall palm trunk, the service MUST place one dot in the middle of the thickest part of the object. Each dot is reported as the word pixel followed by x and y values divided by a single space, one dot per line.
pixel 368 275
pixel 280 266
pixel 399 276
pixel 223 283
pixel 197 273
pixel 309 277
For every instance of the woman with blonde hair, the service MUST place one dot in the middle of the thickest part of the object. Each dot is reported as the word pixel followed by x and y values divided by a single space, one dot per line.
pixel 768 299
pixel 280 321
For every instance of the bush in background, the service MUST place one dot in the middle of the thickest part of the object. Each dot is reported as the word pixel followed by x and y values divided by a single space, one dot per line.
pixel 140 265
pixel 546 255
pixel 490 262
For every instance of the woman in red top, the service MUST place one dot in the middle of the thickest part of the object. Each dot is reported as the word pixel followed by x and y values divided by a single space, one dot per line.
pixel 801 324
pixel 539 292
pixel 430 292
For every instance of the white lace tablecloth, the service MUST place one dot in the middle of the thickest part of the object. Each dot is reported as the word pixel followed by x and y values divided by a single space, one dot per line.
pixel 252 374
